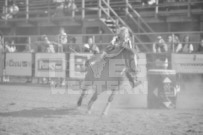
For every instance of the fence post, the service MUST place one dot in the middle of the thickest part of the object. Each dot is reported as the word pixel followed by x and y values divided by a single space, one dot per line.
pixel 157 7
pixel 6 5
pixel 27 9
pixel 100 10
pixel 189 8
pixel 108 1
pixel 6 9
pixel 73 9
pixel 126 7
pixel 83 9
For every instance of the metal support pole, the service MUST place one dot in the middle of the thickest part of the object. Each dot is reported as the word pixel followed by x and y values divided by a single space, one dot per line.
pixel 100 10
pixel 126 7
pixel 189 8
pixel 73 9
pixel 108 1
pixel 27 9
pixel 157 7
pixel 6 5
pixel 83 9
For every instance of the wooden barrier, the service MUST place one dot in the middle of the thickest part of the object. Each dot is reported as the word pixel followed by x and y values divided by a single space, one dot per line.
pixel 19 64
pixel 50 65
pixel 187 63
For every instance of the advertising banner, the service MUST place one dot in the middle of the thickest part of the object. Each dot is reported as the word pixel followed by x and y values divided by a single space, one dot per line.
pixel 77 64
pixel 50 65
pixel 187 63
pixel 19 64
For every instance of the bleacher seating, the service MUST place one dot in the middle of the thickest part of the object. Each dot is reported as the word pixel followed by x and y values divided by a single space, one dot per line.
pixel 42 8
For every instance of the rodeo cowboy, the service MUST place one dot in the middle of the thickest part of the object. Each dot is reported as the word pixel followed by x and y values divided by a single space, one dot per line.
pixel 120 41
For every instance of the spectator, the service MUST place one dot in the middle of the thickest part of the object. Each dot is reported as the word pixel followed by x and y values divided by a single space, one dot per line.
pixel 63 40
pixel 39 45
pixel 200 49
pixel 49 47
pixel 160 45
pixel 151 2
pixel 59 9
pixel 10 47
pixel 66 7
pixel 72 46
pixel 186 46
pixel 71 7
pixel 91 46
pixel 28 48
pixel 6 15
pixel 13 9
pixel 173 43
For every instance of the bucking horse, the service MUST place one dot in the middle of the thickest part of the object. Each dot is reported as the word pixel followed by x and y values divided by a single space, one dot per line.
pixel 107 73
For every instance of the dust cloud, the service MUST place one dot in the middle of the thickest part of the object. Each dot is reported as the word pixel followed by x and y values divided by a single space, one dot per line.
pixel 191 94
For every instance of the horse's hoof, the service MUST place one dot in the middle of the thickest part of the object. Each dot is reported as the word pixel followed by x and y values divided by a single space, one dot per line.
pixel 89 112
pixel 79 108
pixel 104 114
pixel 135 84
pixel 79 104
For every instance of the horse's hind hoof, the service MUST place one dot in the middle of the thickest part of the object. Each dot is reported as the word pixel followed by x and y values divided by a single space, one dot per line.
pixel 137 83
pixel 89 112
pixel 104 114
pixel 79 104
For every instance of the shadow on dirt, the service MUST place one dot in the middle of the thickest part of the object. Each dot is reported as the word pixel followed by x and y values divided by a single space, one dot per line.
pixel 43 112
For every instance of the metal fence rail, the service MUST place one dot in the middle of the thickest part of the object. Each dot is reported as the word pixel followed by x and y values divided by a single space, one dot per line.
pixel 103 40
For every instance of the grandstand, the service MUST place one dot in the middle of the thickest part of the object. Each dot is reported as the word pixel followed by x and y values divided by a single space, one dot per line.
pixel 41 17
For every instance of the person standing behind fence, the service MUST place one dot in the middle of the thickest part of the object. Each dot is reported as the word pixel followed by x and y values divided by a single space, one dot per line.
pixel 91 47
pixel 63 40
pixel 49 45
pixel 173 43
pixel 160 46
pixel 186 46
pixel 200 49
pixel 10 47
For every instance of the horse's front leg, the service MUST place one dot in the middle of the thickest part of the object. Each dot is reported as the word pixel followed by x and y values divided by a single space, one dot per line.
pixel 83 94
pixel 92 100
pixel 110 99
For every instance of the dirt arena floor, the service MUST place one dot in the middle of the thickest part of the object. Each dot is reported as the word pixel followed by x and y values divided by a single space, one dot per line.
pixel 35 110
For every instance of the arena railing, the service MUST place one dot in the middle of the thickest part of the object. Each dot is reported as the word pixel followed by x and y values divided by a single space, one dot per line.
pixel 78 46
pixel 76 41
pixel 195 38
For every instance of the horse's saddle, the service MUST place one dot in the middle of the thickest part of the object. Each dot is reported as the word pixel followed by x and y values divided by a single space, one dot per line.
pixel 98 61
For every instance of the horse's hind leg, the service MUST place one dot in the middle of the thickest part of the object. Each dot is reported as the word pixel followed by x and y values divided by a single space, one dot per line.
pixel 92 100
pixel 81 97
pixel 105 112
